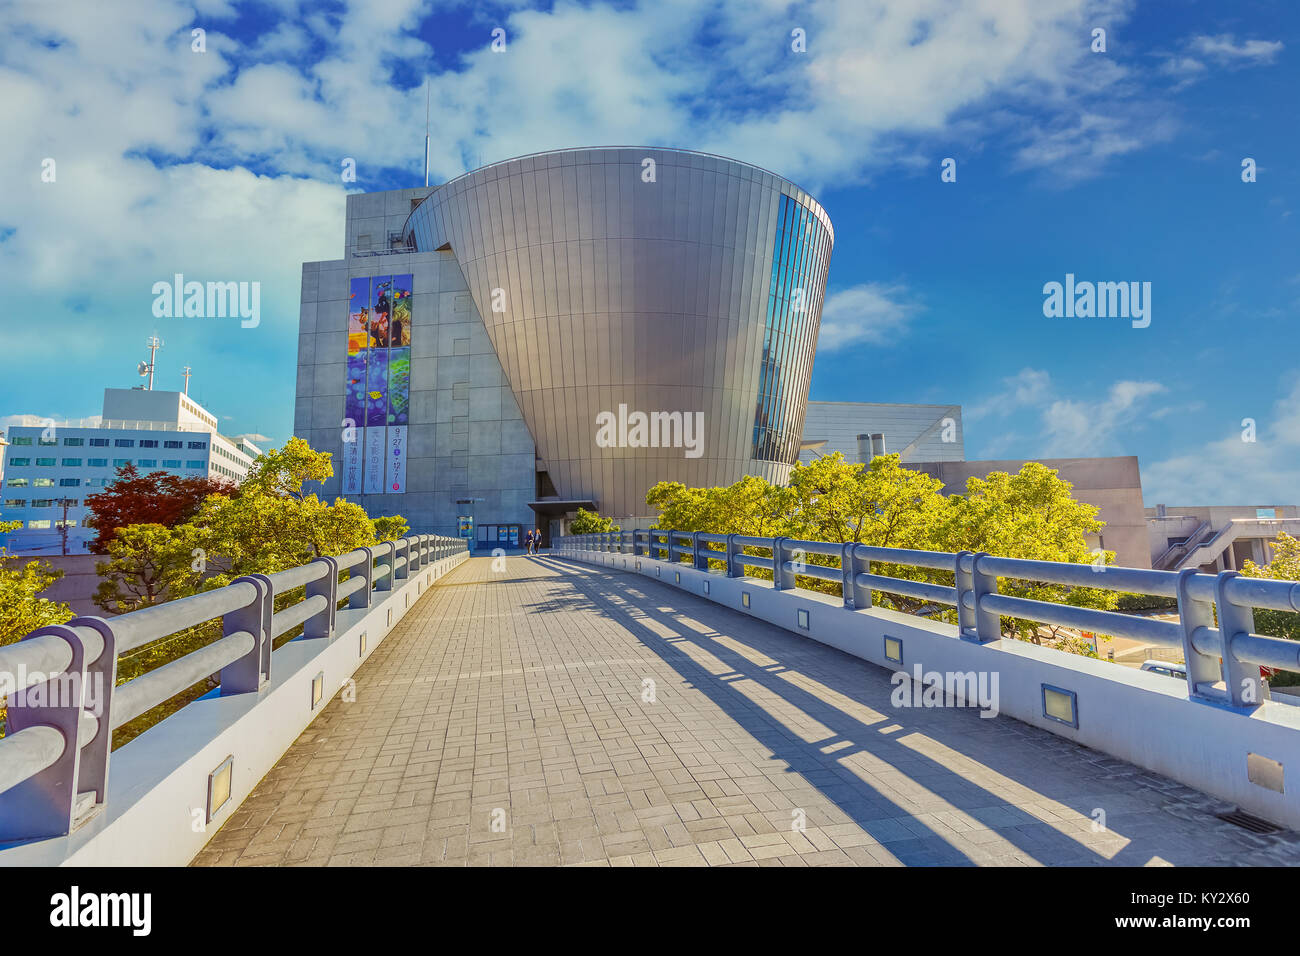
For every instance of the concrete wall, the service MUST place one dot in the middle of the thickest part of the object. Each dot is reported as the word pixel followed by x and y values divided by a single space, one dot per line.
pixel 466 437
pixel 1144 718
pixel 916 432
pixel 1114 485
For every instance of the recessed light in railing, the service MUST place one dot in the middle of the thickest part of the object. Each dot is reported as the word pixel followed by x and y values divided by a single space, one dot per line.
pixel 317 689
pixel 390 617
pixel 678 576
pixel 219 787
pixel 893 650
pixel 801 617
pixel 706 586
pixel 362 652
pixel 1060 705
pixel 744 599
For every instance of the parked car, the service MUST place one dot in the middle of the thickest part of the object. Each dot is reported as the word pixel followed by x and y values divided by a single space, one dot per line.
pixel 1166 668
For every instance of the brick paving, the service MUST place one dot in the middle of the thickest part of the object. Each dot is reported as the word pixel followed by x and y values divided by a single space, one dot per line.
pixel 557 714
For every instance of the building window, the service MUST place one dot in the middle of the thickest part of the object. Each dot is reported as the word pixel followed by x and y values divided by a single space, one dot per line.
pixel 173 444
pixel 19 462
pixel 17 482
pixel 44 462
pixel 123 442
pixel 95 482
pixel 195 464
pixel 121 462
pixel 41 525
pixel 198 444
pixel 21 440
pixel 15 502
pixel 171 462
pixel 42 482
pixel 69 482
pixel 97 462
pixel 65 524
pixel 42 502
pixel 148 443
pixel 48 441
pixel 147 462
pixel 73 442
pixel 99 443
pixel 72 463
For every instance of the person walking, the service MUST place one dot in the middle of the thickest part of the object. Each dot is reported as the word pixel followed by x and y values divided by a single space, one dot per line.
pixel 528 543
pixel 537 541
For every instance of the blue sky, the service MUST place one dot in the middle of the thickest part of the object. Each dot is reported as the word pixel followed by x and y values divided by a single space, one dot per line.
pixel 1123 165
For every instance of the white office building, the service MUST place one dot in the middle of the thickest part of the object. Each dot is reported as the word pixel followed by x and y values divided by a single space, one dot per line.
pixel 49 468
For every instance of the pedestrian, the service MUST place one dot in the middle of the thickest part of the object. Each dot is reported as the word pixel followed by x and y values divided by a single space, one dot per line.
pixel 528 543
pixel 537 541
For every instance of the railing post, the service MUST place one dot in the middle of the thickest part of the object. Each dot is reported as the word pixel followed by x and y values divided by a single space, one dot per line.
pixel 247 674
pixel 92 774
pixel 366 569
pixel 964 578
pixel 321 624
pixel 636 543
pixel 404 547
pixel 44 804
pixel 1241 678
pixel 735 569
pixel 699 550
pixel 988 626
pixel 670 540
pixel 854 594
pixel 417 548
pixel 782 579
pixel 390 556
pixel 1202 669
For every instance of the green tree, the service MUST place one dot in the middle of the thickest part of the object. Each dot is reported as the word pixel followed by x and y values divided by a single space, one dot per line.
pixel 22 609
pixel 1285 566
pixel 589 522
pixel 148 564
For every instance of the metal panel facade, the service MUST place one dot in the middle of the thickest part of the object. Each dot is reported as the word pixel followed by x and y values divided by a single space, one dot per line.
pixel 630 285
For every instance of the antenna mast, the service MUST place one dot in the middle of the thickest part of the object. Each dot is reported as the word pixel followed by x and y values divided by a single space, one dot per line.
pixel 154 344
pixel 426 132
pixel 186 373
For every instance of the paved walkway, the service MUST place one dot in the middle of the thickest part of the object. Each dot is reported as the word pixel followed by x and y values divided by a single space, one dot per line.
pixel 551 713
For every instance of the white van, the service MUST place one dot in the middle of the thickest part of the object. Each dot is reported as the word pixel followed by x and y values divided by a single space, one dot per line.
pixel 1166 668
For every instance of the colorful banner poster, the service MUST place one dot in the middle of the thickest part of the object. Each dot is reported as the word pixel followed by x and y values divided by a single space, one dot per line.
pixel 358 316
pixel 399 324
pixel 352 462
pixel 376 396
pixel 396 483
pixel 381 295
pixel 373 483
pixel 399 386
pixel 354 402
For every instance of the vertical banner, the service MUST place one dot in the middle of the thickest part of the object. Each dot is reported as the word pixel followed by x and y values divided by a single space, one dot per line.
pixel 396 460
pixel 375 454
pixel 354 403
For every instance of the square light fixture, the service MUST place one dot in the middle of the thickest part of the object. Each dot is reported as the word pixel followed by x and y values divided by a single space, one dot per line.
pixel 390 617
pixel 219 788
pixel 407 595
pixel 744 599
pixel 1060 705
pixel 893 650
pixel 317 689
pixel 659 572
pixel 678 575
pixel 1264 772
pixel 706 586
pixel 801 617
pixel 363 645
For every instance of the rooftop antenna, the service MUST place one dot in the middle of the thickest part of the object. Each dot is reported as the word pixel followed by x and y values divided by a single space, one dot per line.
pixel 146 368
pixel 186 373
pixel 426 132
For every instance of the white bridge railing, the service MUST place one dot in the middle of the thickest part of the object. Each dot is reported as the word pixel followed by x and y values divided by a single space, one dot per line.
pixel 1215 612
pixel 63 705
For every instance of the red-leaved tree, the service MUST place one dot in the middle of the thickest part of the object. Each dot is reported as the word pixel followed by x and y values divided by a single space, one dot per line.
pixel 155 498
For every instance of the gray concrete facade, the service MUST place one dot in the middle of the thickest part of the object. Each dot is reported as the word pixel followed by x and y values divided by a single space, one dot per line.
pixel 466 436
pixel 914 432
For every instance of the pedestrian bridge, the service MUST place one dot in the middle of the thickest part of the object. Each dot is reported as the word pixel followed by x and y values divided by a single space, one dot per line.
pixel 597 708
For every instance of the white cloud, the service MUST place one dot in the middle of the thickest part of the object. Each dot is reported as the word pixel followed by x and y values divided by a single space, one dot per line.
pixel 1226 49
pixel 871 313
pixel 1027 388
pixel 1080 428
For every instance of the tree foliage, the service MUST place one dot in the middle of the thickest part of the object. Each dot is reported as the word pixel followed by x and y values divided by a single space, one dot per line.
pixel 589 522
pixel 22 609
pixel 1031 514
pixel 156 498
pixel 1285 566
